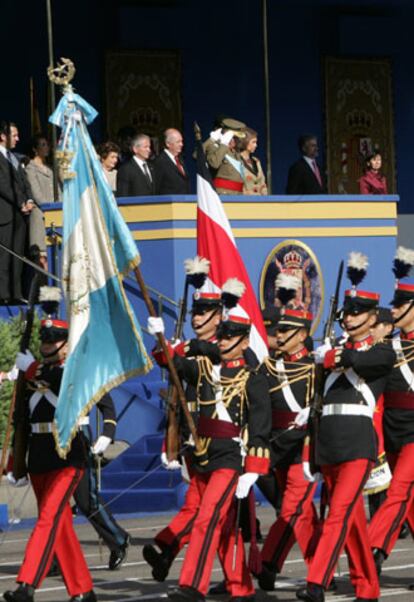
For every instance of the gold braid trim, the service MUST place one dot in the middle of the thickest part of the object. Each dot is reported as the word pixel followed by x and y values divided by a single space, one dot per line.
pixel 301 371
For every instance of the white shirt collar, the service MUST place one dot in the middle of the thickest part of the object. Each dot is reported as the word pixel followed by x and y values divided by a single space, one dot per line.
pixel 310 162
pixel 170 155
pixel 140 162
pixel 3 150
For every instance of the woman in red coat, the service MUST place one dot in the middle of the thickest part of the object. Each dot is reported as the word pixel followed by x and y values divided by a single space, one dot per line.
pixel 373 182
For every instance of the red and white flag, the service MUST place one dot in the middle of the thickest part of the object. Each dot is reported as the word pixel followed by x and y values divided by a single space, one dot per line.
pixel 215 242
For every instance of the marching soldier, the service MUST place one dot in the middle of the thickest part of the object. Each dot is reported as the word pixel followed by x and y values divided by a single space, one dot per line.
pixel 54 480
pixel 290 375
pixel 234 415
pixel 398 419
pixel 224 158
pixel 346 446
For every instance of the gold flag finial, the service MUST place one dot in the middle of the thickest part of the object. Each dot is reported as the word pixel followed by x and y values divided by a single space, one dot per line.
pixel 62 74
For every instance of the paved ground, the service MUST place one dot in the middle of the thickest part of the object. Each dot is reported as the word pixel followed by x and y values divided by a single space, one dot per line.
pixel 133 581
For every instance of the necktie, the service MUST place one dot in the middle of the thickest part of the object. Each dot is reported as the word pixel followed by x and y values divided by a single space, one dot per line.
pixel 147 172
pixel 317 172
pixel 179 166
pixel 12 159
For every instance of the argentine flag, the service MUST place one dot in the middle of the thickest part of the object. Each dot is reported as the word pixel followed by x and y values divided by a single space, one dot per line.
pixel 105 345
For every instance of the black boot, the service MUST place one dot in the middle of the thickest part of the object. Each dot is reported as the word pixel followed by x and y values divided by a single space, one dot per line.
pixel 24 593
pixel 218 590
pixel 404 531
pixel 366 599
pixel 267 578
pixel 250 598
pixel 313 592
pixel 379 557
pixel 333 586
pixel 185 594
pixel 160 561
pixel 118 556
pixel 87 597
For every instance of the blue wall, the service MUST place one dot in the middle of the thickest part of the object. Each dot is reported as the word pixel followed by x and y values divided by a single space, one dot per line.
pixel 221 44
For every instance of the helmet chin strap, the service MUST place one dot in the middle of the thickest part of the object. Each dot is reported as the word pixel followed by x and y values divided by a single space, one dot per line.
pixel 206 321
pixel 410 306
pixel 239 340
pixel 351 329
pixel 55 352
pixel 280 347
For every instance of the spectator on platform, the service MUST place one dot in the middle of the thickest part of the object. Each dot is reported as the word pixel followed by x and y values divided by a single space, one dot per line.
pixel 305 176
pixel 136 176
pixel 109 155
pixel 16 203
pixel 124 139
pixel 254 178
pixel 373 182
pixel 222 151
pixel 40 176
pixel 170 173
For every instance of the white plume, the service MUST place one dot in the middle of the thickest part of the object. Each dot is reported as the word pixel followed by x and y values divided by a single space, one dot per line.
pixel 233 286
pixel 405 255
pixel 288 281
pixel 198 265
pixel 358 261
pixel 50 293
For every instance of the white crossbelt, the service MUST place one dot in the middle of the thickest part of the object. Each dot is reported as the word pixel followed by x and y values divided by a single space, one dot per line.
pixel 221 409
pixel 358 383
pixel 290 399
pixel 404 368
pixel 347 409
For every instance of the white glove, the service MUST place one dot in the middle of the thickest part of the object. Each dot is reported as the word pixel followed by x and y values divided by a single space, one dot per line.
pixel 321 351
pixel 24 360
pixel 22 482
pixel 244 483
pixel 302 417
pixel 101 444
pixel 169 464
pixel 312 478
pixel 13 374
pixel 155 326
pixel 216 135
pixel 225 138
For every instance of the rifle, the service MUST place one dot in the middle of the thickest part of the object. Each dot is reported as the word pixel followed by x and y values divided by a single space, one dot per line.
pixel 316 410
pixel 173 438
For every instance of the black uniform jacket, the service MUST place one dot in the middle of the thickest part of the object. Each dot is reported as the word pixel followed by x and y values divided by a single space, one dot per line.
pixel 344 437
pixel 290 384
pixel 43 383
pixel 246 400
pixel 398 418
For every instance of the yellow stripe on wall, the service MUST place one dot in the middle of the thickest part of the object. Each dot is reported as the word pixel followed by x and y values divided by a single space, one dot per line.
pixel 251 211
pixel 317 232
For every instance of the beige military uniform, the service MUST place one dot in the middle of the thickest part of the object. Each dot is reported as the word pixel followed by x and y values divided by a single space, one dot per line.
pixel 254 179
pixel 227 180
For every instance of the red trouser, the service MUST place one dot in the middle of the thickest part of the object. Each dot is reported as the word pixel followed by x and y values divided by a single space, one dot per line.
pixel 346 526
pixel 54 533
pixel 297 520
pixel 177 534
pixel 386 524
pixel 216 493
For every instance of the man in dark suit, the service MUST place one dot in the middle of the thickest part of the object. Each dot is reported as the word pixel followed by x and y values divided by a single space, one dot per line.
pixel 305 176
pixel 170 174
pixel 135 176
pixel 15 207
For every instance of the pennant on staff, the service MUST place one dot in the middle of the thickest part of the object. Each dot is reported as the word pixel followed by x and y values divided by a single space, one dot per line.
pixel 215 242
pixel 105 345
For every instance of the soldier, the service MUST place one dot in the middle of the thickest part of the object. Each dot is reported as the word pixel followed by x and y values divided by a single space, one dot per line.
pixel 346 446
pixel 54 480
pixel 224 158
pixel 290 374
pixel 234 408
pixel 398 419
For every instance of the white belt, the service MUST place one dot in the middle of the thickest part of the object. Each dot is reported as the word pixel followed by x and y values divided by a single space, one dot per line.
pixel 346 409
pixel 83 421
pixel 41 428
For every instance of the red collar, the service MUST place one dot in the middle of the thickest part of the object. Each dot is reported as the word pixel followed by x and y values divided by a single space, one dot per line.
pixel 296 356
pixel 233 363
pixel 407 336
pixel 367 342
pixel 212 339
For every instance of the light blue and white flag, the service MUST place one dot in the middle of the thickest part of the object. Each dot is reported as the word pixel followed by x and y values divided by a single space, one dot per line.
pixel 105 345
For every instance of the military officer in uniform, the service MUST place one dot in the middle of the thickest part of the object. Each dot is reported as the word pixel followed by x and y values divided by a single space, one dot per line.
pixel 346 444
pixel 290 374
pixel 224 158
pixel 398 422
pixel 54 480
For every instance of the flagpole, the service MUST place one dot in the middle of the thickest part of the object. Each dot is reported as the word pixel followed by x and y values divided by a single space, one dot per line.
pixel 171 367
pixel 267 96
pixel 52 98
